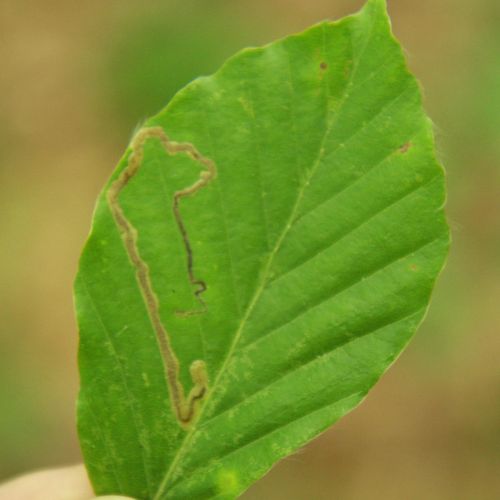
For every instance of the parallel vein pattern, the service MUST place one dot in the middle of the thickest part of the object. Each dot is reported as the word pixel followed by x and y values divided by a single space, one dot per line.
pixel 321 241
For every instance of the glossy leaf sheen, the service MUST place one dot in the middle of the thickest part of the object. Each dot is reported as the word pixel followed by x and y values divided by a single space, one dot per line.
pixel 319 242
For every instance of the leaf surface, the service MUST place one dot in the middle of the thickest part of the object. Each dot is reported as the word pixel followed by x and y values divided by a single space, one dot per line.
pixel 263 252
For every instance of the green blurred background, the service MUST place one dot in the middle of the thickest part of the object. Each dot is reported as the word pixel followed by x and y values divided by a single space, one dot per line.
pixel 75 80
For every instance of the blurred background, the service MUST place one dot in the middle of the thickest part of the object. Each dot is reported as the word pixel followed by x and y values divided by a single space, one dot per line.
pixel 75 80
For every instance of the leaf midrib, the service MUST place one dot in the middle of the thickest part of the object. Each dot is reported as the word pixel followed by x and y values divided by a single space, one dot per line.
pixel 265 275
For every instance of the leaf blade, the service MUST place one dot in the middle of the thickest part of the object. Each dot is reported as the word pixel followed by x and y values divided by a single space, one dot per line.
pixel 278 270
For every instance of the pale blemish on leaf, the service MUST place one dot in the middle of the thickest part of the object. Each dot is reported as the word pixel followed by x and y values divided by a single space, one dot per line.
pixel 228 483
pixel 247 106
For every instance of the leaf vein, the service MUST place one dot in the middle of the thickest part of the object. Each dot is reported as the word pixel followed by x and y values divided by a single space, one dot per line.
pixel 135 414
pixel 317 356
pixel 281 426
pixel 347 287
pixel 189 436
pixel 352 230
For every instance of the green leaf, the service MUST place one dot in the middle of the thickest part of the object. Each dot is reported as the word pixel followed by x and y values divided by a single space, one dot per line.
pixel 263 252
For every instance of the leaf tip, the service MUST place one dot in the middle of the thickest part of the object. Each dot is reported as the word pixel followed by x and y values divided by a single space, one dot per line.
pixel 376 6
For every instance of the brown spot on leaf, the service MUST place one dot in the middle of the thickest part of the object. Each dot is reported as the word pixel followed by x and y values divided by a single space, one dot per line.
pixel 323 65
pixel 405 147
